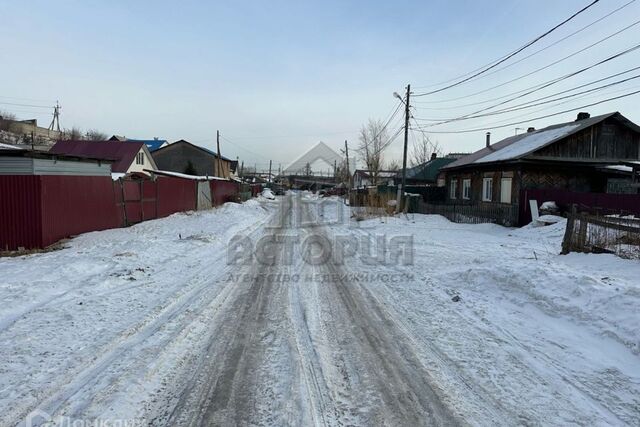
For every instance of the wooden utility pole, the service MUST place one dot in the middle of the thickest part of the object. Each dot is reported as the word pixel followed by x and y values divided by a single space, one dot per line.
pixel 407 113
pixel 269 176
pixel 346 152
pixel 242 169
pixel 219 167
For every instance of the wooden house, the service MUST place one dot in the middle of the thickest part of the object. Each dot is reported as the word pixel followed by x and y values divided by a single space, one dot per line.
pixel 583 156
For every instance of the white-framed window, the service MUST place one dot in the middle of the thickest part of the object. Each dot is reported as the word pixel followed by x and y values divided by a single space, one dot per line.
pixel 453 189
pixel 487 189
pixel 140 159
pixel 466 189
pixel 505 190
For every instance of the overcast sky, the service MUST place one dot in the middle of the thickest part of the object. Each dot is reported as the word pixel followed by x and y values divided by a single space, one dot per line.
pixel 276 77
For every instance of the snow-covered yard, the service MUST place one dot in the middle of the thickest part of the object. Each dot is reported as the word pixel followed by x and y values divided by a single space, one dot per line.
pixel 509 331
pixel 535 337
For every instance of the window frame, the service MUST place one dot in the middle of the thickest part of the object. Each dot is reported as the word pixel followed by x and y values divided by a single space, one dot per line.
pixel 485 187
pixel 466 189
pixel 502 180
pixel 140 158
pixel 453 189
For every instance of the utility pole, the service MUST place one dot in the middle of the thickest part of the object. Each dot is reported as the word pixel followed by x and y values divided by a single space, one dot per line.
pixel 56 118
pixel 269 176
pixel 407 114
pixel 242 170
pixel 346 152
pixel 219 168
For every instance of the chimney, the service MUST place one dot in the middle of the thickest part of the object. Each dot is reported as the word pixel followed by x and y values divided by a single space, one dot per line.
pixel 433 156
pixel 531 129
pixel 488 139
pixel 582 115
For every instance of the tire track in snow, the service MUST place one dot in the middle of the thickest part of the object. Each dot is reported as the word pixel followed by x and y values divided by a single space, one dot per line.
pixel 127 342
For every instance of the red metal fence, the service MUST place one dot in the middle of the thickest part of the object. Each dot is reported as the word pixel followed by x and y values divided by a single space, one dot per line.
pixel 224 191
pixel 36 211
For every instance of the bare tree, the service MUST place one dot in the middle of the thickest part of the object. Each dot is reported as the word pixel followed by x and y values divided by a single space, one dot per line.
pixel 393 165
pixel 96 135
pixel 373 141
pixel 7 115
pixel 423 149
pixel 73 134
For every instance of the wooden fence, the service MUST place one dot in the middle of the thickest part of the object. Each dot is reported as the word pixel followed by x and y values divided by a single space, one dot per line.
pixel 506 215
pixel 602 234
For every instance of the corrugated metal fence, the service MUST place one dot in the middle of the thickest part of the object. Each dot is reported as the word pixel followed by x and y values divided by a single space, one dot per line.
pixel 38 210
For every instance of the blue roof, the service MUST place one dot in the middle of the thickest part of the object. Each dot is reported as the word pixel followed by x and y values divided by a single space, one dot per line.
pixel 152 144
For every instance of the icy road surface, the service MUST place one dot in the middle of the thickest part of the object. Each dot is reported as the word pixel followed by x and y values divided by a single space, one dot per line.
pixel 167 323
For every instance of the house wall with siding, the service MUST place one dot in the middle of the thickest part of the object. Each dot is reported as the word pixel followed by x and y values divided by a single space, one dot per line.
pixel 608 140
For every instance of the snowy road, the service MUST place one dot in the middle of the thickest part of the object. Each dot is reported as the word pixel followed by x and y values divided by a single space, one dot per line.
pixel 295 352
pixel 163 324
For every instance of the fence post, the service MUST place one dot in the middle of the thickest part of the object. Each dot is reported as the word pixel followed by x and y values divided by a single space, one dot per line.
pixel 124 202
pixel 568 233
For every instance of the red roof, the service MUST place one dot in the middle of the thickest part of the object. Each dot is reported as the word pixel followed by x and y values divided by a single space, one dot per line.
pixel 121 153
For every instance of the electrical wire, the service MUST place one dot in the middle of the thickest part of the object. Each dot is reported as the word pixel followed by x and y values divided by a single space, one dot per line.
pixel 26 105
pixel 532 87
pixel 567 57
pixel 537 118
pixel 539 50
pixel 545 85
pixel 533 103
pixel 506 58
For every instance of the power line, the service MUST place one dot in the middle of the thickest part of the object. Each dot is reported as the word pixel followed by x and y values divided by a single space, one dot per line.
pixel 539 50
pixel 26 105
pixel 506 58
pixel 540 117
pixel 532 87
pixel 244 148
pixel 566 57
pixel 534 102
pixel 544 85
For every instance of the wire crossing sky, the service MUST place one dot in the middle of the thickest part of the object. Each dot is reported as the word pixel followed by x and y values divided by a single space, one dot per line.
pixel 277 77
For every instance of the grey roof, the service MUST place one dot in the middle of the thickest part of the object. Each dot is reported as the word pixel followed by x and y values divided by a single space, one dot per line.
pixel 522 145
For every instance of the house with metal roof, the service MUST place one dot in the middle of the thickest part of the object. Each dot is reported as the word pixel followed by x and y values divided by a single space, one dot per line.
pixel 427 173
pixel 575 157
pixel 127 156
pixel 187 158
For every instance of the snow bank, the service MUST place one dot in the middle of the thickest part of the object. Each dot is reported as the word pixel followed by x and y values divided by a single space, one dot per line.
pixel 106 300
pixel 534 337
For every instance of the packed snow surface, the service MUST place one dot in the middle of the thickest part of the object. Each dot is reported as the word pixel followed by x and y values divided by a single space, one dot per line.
pixel 489 324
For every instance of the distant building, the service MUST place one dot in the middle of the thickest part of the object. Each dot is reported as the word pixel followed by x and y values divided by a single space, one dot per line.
pixel 185 157
pixel 27 134
pixel 127 157
pixel 364 178
pixel 428 172
pixel 152 144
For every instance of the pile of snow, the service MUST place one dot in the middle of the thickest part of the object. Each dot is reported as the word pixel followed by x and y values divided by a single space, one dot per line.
pixel 9 147
pixel 549 206
pixel 510 329
pixel 268 194
pixel 97 309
